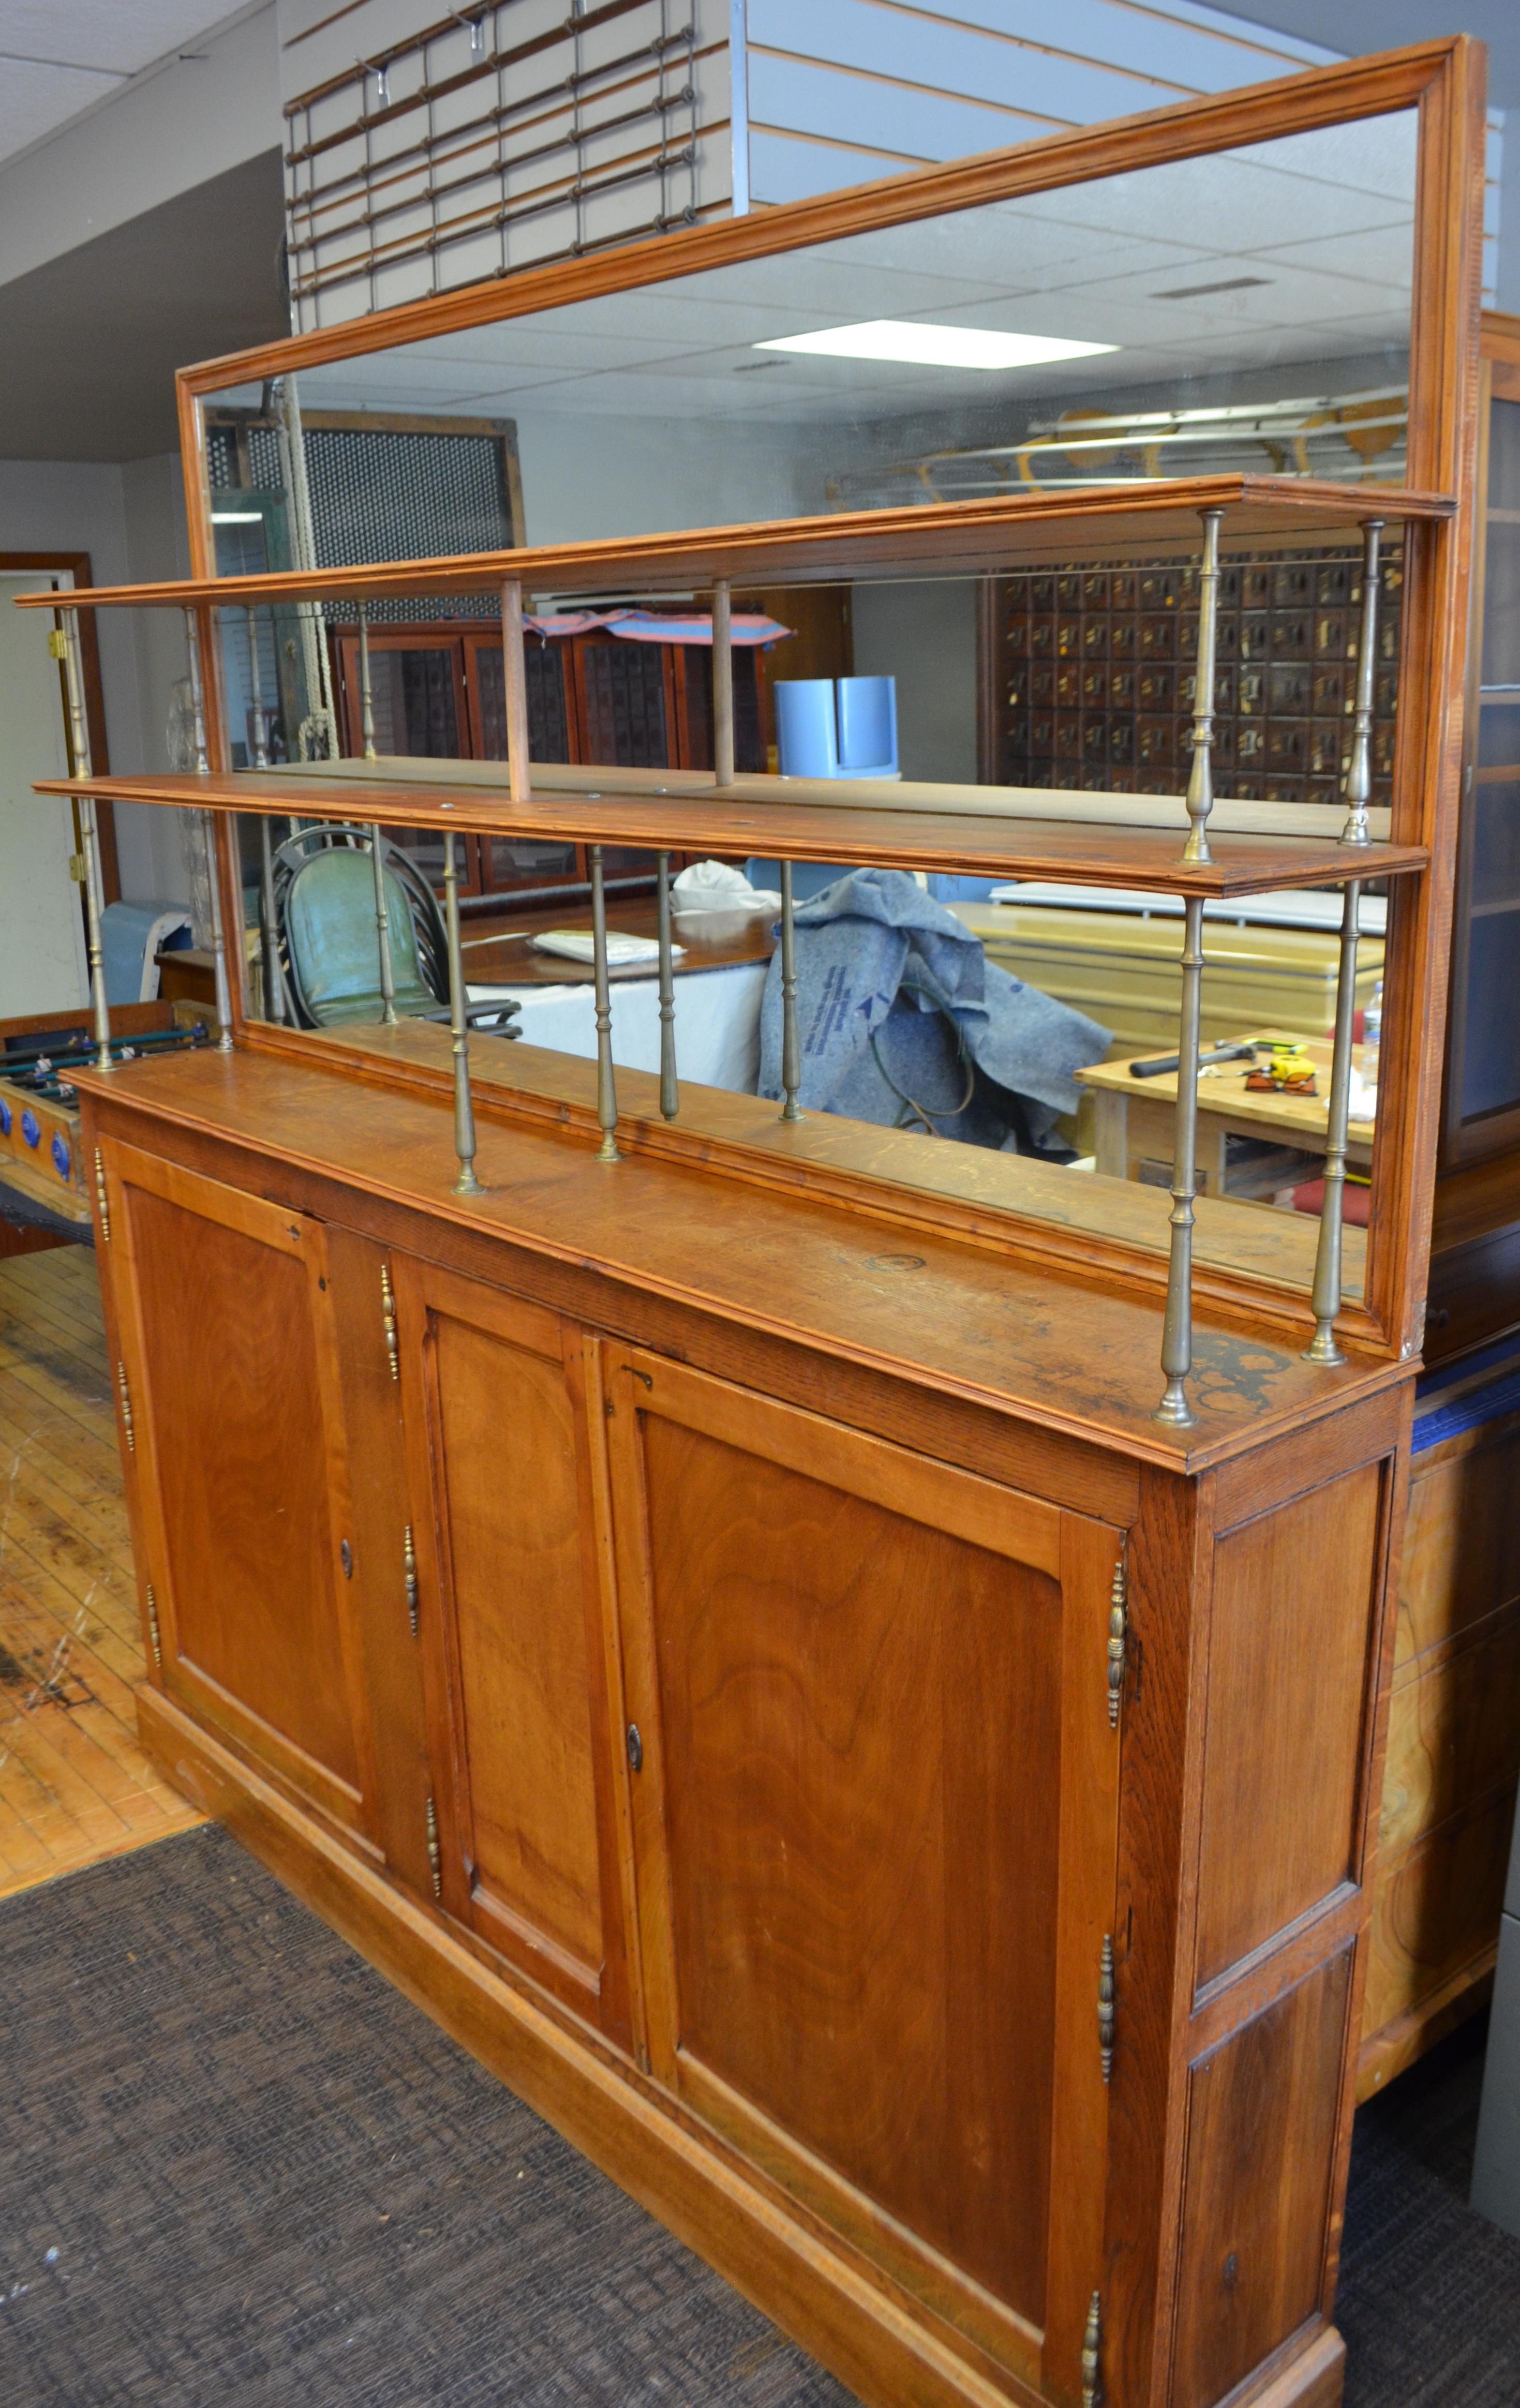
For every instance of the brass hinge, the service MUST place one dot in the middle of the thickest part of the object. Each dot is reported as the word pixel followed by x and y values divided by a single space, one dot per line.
pixel 152 1628
pixel 410 1554
pixel 103 1196
pixel 1118 1639
pixel 125 1395
pixel 388 1311
pixel 1092 2354
pixel 434 1856
pixel 58 643
pixel 77 868
pixel 1105 2005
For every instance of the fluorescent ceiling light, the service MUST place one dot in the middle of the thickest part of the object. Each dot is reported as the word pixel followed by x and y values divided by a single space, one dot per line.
pixel 934 347
pixel 236 518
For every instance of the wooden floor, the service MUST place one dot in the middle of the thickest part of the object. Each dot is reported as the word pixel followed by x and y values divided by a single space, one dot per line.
pixel 73 1784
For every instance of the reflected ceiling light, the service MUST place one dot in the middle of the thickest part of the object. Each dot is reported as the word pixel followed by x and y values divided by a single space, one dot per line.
pixel 919 345
pixel 236 518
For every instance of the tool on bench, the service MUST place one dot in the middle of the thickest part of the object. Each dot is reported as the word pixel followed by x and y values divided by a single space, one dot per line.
pixel 1160 1063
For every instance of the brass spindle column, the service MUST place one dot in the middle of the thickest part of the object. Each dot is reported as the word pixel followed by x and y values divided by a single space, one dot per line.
pixel 219 938
pixel 1357 783
pixel 274 977
pixel 790 1044
pixel 1177 1334
pixel 669 1087
pixel 466 1184
pixel 723 683
pixel 1201 786
pixel 94 901
pixel 606 1088
pixel 389 1015
pixel 515 672
pixel 1325 1296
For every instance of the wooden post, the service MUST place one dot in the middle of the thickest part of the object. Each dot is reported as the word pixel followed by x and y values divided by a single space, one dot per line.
pixel 519 781
pixel 669 1088
pixel 1176 1335
pixel 466 1184
pixel 607 1091
pixel 723 683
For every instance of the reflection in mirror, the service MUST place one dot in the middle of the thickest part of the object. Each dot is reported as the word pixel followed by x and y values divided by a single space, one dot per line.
pixel 1249 309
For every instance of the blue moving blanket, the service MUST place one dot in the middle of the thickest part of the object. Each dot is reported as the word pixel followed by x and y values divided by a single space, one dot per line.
pixel 906 1022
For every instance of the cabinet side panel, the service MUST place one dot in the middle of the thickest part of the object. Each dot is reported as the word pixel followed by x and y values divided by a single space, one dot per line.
pixel 1461 1555
pixel 506 1443
pixel 861 1719
pixel 241 1457
pixel 1261 2139
pixel 1287 1669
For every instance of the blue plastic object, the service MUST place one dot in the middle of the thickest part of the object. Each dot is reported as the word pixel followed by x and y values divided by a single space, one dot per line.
pixel 836 727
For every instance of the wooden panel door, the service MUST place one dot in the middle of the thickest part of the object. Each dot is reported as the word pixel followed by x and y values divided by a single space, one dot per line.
pixel 513 1633
pixel 228 1397
pixel 875 1825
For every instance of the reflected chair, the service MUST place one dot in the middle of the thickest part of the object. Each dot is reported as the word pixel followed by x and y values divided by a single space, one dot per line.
pixel 329 947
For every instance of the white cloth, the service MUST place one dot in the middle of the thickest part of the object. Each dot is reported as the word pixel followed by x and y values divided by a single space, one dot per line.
pixel 579 945
pixel 718 886
pixel 717 1022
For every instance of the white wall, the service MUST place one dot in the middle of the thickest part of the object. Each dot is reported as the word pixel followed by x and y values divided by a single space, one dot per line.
pixel 131 522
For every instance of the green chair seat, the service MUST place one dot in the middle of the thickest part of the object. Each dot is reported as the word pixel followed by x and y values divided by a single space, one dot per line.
pixel 335 945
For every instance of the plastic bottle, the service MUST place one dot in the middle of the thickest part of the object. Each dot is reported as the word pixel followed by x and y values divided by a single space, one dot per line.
pixel 1372 1036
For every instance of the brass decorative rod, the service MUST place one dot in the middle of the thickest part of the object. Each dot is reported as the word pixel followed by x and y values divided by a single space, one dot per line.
pixel 791 1045
pixel 466 1184
pixel 606 1089
pixel 1325 1296
pixel 1177 1334
pixel 390 1017
pixel 94 902
pixel 515 671
pixel 208 836
pixel 723 683
pixel 1201 786
pixel 1357 783
pixel 669 1087
pixel 366 695
pixel 274 977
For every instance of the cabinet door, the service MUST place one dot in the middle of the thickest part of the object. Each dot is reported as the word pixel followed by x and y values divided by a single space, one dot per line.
pixel 875 1828
pixel 514 1634
pixel 228 1396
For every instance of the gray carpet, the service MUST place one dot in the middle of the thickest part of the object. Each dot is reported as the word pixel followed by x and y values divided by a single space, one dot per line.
pixel 237 2170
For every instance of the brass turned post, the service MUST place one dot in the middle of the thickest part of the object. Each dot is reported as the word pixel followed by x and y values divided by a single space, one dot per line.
pixel 515 678
pixel 390 1017
pixel 274 977
pixel 1176 1335
pixel 94 901
pixel 1325 1296
pixel 1357 783
pixel 366 692
pixel 466 1184
pixel 208 838
pixel 1201 786
pixel 723 683
pixel 791 1045
pixel 606 1089
pixel 669 1086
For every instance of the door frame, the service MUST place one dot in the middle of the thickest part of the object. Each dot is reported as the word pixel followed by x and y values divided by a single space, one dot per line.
pixel 75 566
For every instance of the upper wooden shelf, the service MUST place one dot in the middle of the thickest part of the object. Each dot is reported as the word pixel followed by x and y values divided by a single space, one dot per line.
pixel 713 820
pixel 951 538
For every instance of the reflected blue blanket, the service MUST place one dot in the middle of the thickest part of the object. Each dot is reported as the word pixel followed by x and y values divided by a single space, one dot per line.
pixel 905 1022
